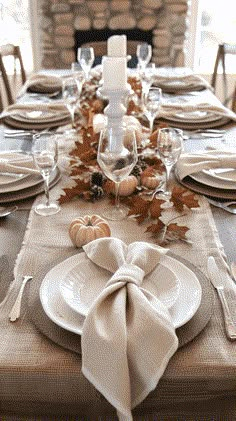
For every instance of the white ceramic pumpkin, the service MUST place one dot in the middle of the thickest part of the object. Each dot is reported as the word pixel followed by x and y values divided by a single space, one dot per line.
pixel 82 230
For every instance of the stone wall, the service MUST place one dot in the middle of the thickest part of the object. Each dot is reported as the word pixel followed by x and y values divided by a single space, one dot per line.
pixel 58 19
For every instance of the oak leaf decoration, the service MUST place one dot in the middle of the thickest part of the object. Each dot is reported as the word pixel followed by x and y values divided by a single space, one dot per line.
pixel 183 197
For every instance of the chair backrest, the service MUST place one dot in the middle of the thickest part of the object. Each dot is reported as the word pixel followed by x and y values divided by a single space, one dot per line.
pixel 13 51
pixel 234 100
pixel 223 50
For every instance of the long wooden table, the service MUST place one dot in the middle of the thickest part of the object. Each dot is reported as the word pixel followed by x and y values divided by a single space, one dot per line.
pixel 56 389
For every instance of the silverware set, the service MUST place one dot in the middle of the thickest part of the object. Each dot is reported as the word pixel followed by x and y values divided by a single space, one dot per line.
pixel 218 283
pixel 208 133
pixel 227 206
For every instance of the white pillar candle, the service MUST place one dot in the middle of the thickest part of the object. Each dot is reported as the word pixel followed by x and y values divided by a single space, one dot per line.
pixel 117 46
pixel 114 73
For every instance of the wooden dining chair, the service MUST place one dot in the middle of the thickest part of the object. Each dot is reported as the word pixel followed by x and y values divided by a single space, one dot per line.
pixel 234 100
pixel 9 82
pixel 223 50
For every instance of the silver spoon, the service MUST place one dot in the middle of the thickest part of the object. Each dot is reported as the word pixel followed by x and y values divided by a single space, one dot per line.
pixel 7 210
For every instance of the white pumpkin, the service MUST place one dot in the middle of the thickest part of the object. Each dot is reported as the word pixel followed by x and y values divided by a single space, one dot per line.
pixel 126 187
pixel 82 230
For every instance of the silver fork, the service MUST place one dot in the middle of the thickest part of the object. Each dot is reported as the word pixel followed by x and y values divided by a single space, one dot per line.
pixel 224 205
pixel 15 311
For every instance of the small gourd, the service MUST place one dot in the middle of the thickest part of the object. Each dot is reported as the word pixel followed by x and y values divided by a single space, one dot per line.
pixel 82 230
pixel 126 187
pixel 150 181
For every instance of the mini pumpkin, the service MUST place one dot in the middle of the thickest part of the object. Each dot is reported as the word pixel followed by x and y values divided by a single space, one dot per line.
pixel 126 187
pixel 82 230
pixel 151 181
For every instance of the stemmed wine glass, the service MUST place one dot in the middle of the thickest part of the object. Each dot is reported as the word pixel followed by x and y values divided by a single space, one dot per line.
pixel 144 54
pixel 45 155
pixel 152 102
pixel 71 91
pixel 117 155
pixel 85 56
pixel 169 147
pixel 78 74
pixel 147 77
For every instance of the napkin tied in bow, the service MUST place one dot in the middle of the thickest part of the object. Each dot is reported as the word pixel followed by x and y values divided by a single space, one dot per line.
pixel 128 336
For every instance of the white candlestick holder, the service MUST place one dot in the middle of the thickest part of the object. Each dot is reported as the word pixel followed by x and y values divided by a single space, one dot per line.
pixel 116 108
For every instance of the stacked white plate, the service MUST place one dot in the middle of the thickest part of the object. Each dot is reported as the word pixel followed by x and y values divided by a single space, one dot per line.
pixel 15 187
pixel 70 288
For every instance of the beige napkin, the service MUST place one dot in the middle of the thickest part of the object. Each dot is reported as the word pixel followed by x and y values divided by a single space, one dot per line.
pixel 17 164
pixel 189 81
pixel 43 83
pixel 191 163
pixel 128 336
pixel 59 109
pixel 168 109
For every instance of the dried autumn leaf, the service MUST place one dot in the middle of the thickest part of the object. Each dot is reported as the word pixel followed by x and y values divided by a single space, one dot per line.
pixel 156 228
pixel 139 208
pixel 176 232
pixel 71 192
pixel 155 208
pixel 181 196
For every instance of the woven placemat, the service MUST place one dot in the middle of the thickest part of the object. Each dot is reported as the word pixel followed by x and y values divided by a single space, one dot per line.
pixel 71 340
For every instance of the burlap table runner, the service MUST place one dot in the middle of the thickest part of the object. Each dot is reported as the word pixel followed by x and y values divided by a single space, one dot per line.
pixel 29 358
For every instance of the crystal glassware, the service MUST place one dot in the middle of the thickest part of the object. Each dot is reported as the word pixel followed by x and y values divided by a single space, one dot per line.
pixel 117 155
pixel 85 56
pixel 169 147
pixel 144 54
pixel 147 77
pixel 70 94
pixel 152 102
pixel 78 74
pixel 45 155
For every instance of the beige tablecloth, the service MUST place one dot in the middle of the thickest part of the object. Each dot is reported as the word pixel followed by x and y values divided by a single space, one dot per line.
pixel 44 379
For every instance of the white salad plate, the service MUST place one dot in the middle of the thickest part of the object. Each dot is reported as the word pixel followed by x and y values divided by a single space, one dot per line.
pixel 86 281
pixel 194 116
pixel 10 178
pixel 56 308
pixel 210 178
pixel 39 116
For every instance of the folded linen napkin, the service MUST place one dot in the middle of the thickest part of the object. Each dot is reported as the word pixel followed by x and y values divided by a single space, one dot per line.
pixel 191 163
pixel 17 164
pixel 59 110
pixel 168 109
pixel 130 330
pixel 43 83
pixel 187 81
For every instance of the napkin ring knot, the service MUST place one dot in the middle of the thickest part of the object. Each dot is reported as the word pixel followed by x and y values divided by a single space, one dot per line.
pixel 127 273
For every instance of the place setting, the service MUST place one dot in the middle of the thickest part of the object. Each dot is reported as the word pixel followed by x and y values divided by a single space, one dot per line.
pixel 179 80
pixel 21 176
pixel 212 173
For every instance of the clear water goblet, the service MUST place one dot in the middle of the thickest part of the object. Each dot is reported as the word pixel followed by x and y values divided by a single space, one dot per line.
pixel 147 77
pixel 78 74
pixel 45 156
pixel 152 103
pixel 70 95
pixel 144 54
pixel 169 148
pixel 117 156
pixel 85 57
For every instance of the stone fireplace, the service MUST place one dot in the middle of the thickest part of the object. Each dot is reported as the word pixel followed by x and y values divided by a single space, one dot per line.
pixel 60 19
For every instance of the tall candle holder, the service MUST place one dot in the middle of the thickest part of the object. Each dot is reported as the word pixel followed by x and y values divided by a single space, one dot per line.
pixel 116 108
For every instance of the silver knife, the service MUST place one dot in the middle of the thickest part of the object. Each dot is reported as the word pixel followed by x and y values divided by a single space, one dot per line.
pixel 216 280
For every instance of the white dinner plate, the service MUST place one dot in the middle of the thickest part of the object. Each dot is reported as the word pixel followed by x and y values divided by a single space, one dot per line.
pixel 22 183
pixel 10 178
pixel 85 282
pixel 225 174
pixel 209 179
pixel 194 116
pixel 60 313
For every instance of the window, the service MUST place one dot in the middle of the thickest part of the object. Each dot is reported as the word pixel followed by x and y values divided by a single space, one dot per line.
pixel 212 23
pixel 15 28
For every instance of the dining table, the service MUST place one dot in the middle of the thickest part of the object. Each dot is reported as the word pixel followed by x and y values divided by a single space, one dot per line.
pixel 41 358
